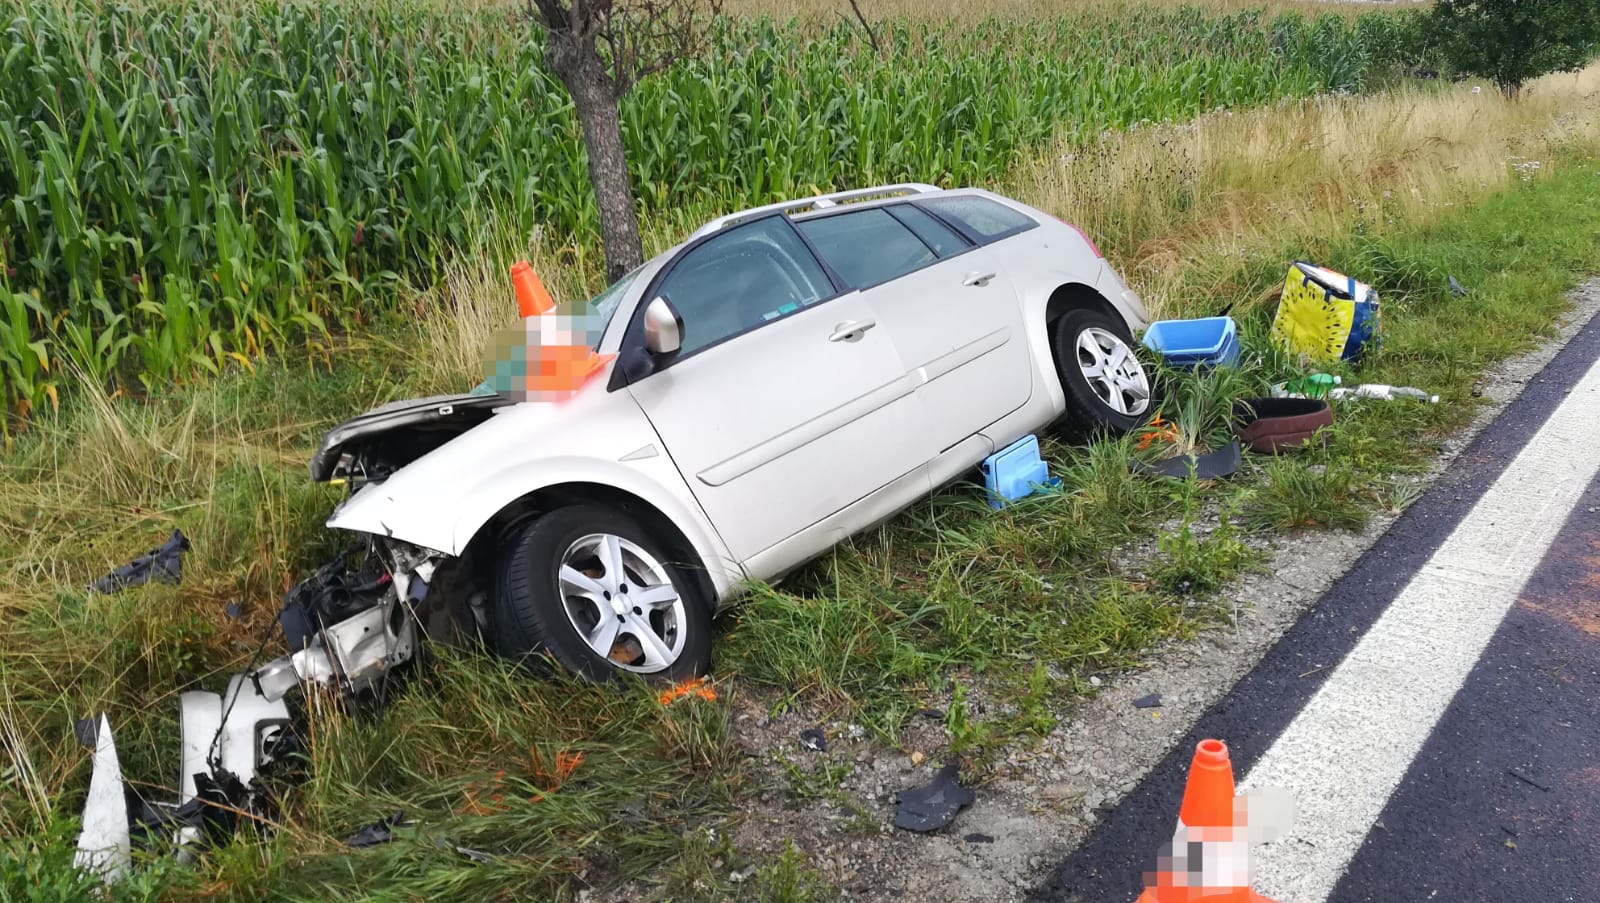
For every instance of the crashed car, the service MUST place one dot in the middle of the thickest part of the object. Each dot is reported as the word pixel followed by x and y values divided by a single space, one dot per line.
pixel 786 377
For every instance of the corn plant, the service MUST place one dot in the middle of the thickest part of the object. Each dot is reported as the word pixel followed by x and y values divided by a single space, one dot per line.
pixel 188 186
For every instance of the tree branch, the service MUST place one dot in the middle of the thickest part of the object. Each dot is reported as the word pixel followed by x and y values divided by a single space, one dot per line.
pixel 872 38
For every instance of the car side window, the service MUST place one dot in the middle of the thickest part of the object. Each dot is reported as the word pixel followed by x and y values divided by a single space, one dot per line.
pixel 941 238
pixel 983 220
pixel 743 277
pixel 866 247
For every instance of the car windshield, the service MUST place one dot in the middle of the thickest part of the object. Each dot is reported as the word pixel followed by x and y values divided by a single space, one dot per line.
pixel 604 305
pixel 595 314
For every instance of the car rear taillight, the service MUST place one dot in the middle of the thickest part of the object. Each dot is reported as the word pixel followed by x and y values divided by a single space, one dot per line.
pixel 1085 236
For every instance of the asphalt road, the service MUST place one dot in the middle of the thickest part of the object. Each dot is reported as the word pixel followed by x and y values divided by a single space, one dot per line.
pixel 1437 713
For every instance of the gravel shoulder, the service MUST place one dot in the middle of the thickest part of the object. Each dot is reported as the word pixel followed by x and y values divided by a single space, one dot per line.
pixel 1041 801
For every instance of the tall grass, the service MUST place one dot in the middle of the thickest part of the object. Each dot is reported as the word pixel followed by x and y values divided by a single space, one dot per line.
pixel 1171 202
pixel 184 187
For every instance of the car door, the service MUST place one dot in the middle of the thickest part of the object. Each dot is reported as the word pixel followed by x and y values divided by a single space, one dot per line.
pixel 954 315
pixel 787 400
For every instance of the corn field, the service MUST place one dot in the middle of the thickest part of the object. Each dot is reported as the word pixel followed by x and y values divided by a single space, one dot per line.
pixel 185 187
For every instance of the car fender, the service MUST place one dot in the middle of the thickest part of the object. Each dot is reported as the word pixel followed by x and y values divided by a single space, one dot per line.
pixel 441 500
pixel 649 484
pixel 1035 293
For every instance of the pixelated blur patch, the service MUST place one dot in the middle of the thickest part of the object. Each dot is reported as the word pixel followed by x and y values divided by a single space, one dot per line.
pixel 545 357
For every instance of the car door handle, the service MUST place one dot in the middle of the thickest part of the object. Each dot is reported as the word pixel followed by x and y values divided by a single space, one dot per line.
pixel 978 279
pixel 851 330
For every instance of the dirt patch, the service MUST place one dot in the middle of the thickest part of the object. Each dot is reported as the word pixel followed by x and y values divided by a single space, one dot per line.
pixel 1038 803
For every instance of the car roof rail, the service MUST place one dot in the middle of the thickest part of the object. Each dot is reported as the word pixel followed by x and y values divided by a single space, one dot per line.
pixel 819 202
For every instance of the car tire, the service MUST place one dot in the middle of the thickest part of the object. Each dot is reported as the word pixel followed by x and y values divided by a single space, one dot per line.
pixel 587 577
pixel 1085 342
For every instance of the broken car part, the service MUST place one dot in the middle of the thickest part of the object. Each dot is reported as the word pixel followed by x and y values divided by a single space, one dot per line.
pixel 348 628
pixel 1211 466
pixel 103 843
pixel 163 564
pixel 226 740
pixel 380 831
pixel 369 447
pixel 935 804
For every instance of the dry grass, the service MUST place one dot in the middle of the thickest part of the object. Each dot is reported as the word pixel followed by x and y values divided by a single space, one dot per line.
pixel 1160 198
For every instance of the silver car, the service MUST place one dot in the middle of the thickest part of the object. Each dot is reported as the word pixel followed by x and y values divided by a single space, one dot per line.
pixel 786 377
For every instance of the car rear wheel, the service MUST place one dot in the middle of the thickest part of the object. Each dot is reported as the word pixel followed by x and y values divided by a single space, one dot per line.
pixel 1107 389
pixel 601 595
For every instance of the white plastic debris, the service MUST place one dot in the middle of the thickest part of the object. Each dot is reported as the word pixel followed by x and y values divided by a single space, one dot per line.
pixel 103 844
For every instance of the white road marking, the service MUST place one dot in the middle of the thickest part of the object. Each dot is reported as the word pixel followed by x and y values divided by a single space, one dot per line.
pixel 1348 749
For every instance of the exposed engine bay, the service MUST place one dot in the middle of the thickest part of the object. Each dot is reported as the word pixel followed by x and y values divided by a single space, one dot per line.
pixel 369 447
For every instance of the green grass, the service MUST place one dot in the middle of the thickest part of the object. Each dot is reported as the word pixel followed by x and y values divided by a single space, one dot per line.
pixel 208 183
pixel 994 619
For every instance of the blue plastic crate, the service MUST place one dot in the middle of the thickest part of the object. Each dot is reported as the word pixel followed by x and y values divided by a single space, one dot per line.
pixel 1016 472
pixel 1190 343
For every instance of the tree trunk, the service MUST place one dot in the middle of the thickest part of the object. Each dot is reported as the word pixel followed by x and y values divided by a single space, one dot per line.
pixel 579 67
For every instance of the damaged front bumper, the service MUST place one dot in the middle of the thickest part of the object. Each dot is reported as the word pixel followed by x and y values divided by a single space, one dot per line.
pixel 348 626
pixel 347 631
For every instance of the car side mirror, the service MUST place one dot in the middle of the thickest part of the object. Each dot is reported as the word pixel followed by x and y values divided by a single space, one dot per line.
pixel 663 327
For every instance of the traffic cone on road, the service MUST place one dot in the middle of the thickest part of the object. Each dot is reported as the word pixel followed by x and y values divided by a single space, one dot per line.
pixel 1209 856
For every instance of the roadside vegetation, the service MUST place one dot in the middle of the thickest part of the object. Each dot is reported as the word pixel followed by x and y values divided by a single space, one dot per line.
pixel 996 621
pixel 198 186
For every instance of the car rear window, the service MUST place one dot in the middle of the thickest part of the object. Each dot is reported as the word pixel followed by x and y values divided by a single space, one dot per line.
pixel 983 220
pixel 941 238
pixel 866 247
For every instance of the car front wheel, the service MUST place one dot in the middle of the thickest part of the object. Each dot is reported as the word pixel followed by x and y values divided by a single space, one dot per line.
pixel 1106 387
pixel 601 595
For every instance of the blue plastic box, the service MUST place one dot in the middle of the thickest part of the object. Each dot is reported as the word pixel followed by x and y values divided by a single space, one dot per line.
pixel 1191 343
pixel 1015 472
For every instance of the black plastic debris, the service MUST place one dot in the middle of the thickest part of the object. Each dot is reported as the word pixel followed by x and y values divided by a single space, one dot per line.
pixel 935 804
pixel 220 800
pixel 1148 702
pixel 380 831
pixel 814 740
pixel 163 564
pixel 932 714
pixel 1456 288
pixel 331 594
pixel 87 731
pixel 1214 465
pixel 978 838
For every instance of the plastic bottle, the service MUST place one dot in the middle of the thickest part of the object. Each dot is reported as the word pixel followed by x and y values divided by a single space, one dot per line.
pixel 1312 385
pixel 1386 393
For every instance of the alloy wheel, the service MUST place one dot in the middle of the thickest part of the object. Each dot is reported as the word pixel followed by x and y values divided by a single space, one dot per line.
pixel 622 602
pixel 1113 371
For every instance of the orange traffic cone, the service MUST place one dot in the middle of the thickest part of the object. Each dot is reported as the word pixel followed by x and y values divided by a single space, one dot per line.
pixel 554 371
pixel 1212 826
pixel 532 298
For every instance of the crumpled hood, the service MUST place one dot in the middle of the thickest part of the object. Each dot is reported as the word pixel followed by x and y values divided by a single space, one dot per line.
pixel 423 501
